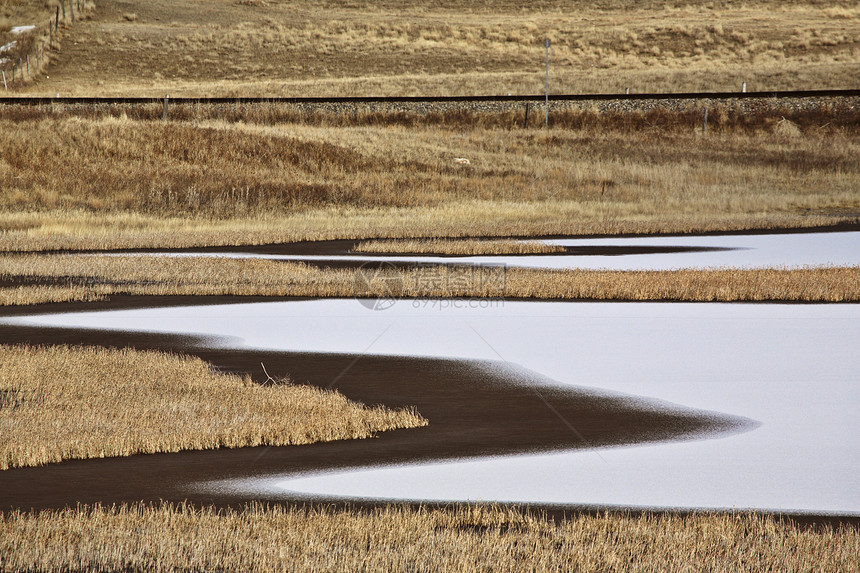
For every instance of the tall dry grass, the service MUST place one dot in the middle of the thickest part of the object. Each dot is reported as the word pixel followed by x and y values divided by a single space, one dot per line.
pixel 35 279
pixel 828 284
pixel 71 182
pixel 59 403
pixel 473 538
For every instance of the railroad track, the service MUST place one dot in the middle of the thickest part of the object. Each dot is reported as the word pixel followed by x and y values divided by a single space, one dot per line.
pixel 795 94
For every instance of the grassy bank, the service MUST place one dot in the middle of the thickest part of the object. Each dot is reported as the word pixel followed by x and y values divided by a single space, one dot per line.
pixel 105 182
pixel 35 279
pixel 180 538
pixel 60 403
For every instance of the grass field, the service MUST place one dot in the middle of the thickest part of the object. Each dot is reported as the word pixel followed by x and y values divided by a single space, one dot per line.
pixel 380 47
pixel 79 402
pixel 476 538
pixel 71 182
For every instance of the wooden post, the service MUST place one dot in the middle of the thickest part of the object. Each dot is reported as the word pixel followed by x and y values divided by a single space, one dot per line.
pixel 57 23
pixel 72 9
pixel 28 65
pixel 63 4
pixel 705 122
pixel 547 44
pixel 5 87
pixel 526 121
pixel 164 113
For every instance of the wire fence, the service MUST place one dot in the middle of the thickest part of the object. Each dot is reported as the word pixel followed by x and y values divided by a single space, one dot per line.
pixel 167 100
pixel 26 54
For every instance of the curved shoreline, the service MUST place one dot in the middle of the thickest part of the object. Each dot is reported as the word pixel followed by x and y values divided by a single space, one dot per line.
pixel 472 411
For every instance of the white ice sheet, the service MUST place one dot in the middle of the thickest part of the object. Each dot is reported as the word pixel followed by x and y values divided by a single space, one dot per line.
pixel 794 368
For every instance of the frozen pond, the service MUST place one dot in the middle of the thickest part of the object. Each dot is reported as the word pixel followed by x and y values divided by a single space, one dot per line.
pixel 792 368
pixel 688 252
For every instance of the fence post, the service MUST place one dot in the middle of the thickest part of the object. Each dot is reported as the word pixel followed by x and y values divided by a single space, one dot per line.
pixel 526 121
pixel 57 23
pixel 547 44
pixel 705 123
pixel 72 9
pixel 63 4
pixel 5 87
pixel 164 113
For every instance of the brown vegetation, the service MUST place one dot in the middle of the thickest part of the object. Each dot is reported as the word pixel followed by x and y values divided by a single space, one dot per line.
pixel 472 538
pixel 105 182
pixel 35 279
pixel 29 31
pixel 440 47
pixel 59 403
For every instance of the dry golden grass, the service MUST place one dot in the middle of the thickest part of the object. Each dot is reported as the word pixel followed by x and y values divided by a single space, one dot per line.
pixel 458 247
pixel 71 182
pixel 57 278
pixel 476 538
pixel 381 47
pixel 723 285
pixel 63 229
pixel 59 403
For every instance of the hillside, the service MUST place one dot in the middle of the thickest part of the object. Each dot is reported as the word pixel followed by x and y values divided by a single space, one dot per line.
pixel 380 47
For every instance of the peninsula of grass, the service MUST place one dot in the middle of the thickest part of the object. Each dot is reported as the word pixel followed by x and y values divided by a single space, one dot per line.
pixel 395 538
pixel 59 403
pixel 41 278
pixel 458 247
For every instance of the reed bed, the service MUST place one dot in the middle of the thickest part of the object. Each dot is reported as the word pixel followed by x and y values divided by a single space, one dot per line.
pixel 59 403
pixel 458 247
pixel 726 115
pixel 172 537
pixel 35 279
pixel 821 284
